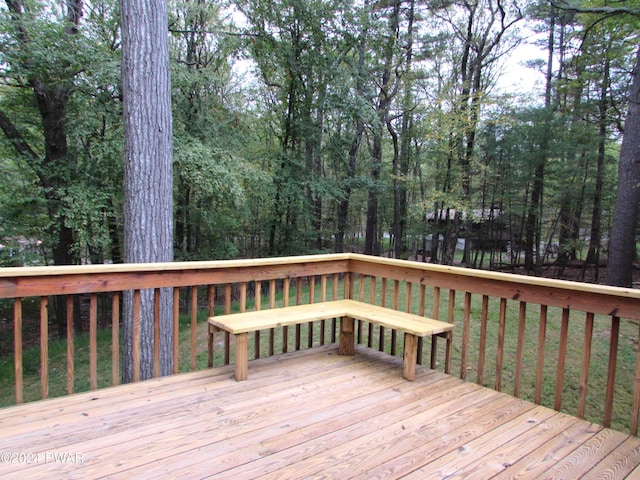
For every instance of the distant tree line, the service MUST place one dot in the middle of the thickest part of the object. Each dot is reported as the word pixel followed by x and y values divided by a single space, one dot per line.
pixel 305 126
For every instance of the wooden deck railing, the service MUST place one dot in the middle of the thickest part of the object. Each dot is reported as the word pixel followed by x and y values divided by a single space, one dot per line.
pixel 567 345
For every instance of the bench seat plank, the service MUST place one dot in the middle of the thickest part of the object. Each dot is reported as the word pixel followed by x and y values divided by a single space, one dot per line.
pixel 236 323
pixel 413 326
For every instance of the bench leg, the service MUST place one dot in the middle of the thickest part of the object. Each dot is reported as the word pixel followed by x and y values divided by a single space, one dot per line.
pixel 346 345
pixel 447 360
pixel 410 356
pixel 211 342
pixel 242 356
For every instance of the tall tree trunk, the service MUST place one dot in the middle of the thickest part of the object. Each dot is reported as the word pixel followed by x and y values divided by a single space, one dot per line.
pixel 401 167
pixel 593 255
pixel 533 228
pixel 625 215
pixel 148 178
pixel 385 95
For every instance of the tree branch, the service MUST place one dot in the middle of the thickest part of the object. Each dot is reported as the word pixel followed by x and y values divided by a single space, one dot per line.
pixel 19 143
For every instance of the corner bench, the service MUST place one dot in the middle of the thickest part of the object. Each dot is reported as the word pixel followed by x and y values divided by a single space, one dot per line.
pixel 413 326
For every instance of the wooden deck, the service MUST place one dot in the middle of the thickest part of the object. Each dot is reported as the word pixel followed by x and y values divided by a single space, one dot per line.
pixel 309 414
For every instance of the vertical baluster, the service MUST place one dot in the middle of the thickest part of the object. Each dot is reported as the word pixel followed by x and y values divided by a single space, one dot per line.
pixel 312 299
pixel 156 333
pixel 44 348
pixel 396 303
pixel 421 306
pixel 450 319
pixel 611 373
pixel 408 300
pixel 211 300
pixel 383 302
pixel 586 361
pixel 135 355
pixel 115 338
pixel 542 334
pixel 349 285
pixel 193 310
pixel 258 302
pixel 334 321
pixel 272 304
pixel 323 298
pixel 500 348
pixel 466 327
pixel 227 335
pixel 522 318
pixel 17 342
pixel 70 347
pixel 562 357
pixel 372 300
pixel 285 329
pixel 484 314
pixel 298 327
pixel 175 348
pixel 361 281
pixel 93 341
pixel 436 314
pixel 211 295
pixel 243 297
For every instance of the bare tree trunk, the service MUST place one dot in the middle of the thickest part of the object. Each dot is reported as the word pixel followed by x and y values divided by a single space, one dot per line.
pixel 148 175
pixel 625 214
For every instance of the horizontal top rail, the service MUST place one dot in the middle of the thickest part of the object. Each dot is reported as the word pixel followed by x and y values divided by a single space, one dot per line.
pixel 62 280
pixel 601 299
pixel 59 280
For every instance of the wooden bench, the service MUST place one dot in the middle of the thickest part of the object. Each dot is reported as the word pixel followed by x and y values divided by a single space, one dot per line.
pixel 413 326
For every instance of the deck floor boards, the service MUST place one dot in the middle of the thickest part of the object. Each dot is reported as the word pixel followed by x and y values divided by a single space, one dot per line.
pixel 308 414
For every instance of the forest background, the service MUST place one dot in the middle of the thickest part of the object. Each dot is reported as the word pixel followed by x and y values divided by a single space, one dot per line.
pixel 307 126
